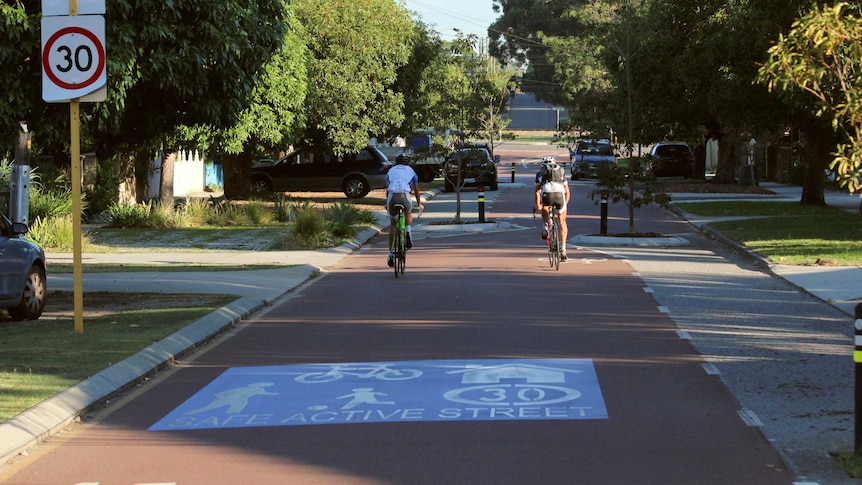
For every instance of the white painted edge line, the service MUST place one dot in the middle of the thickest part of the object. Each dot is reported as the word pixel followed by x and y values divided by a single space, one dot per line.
pixel 664 309
pixel 749 418
pixel 683 335
pixel 648 289
pixel 711 369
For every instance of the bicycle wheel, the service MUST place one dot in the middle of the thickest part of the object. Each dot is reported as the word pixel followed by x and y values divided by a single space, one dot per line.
pixel 401 259
pixel 552 234
pixel 398 249
pixel 558 248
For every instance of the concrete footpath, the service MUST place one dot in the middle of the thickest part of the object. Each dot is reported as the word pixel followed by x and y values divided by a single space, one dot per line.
pixel 838 286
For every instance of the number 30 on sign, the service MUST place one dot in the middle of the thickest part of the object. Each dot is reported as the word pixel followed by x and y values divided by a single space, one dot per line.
pixel 73 57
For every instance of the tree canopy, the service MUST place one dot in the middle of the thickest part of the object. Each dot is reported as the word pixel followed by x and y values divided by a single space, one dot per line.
pixel 821 57
pixel 356 48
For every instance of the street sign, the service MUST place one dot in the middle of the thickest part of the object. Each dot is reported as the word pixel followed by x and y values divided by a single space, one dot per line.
pixel 73 58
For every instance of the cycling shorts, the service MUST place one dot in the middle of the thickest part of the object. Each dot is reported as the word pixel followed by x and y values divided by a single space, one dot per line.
pixel 398 198
pixel 556 200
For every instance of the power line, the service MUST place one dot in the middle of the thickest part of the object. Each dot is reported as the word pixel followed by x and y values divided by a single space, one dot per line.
pixel 470 20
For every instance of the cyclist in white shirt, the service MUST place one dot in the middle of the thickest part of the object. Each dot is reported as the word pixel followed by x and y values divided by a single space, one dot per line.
pixel 401 180
pixel 553 191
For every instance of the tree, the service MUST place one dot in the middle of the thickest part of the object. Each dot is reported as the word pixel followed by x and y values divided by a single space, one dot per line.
pixel 465 94
pixel 274 120
pixel 516 36
pixel 821 57
pixel 356 48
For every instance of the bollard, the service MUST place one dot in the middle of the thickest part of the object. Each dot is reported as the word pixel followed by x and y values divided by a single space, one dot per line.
pixel 481 203
pixel 857 360
pixel 513 172
pixel 603 224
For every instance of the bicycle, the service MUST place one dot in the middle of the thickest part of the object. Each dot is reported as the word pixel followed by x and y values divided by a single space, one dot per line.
pixel 399 242
pixel 381 372
pixel 555 237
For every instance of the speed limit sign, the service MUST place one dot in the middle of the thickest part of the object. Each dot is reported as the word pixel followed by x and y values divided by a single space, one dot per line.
pixel 73 57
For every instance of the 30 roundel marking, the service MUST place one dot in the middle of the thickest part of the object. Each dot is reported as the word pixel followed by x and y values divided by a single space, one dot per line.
pixel 49 69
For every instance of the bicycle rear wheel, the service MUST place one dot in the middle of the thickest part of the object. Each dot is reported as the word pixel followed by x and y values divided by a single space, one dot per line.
pixel 554 245
pixel 397 249
pixel 558 247
pixel 401 261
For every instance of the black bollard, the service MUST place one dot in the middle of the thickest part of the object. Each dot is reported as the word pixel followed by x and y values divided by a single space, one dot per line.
pixel 603 224
pixel 513 172
pixel 481 203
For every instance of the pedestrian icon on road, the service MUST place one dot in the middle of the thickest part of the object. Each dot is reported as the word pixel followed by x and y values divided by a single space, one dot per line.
pixel 363 395
pixel 236 399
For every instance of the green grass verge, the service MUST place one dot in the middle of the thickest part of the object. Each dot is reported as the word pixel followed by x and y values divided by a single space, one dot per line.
pixel 789 232
pixel 43 357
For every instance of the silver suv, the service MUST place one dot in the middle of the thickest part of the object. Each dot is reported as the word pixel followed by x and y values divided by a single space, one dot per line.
pixel 588 154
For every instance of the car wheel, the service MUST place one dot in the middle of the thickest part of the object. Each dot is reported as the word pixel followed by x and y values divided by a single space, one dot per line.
pixel 260 185
pixel 495 185
pixel 355 187
pixel 33 300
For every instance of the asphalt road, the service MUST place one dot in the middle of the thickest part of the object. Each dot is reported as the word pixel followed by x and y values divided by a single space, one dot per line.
pixel 482 365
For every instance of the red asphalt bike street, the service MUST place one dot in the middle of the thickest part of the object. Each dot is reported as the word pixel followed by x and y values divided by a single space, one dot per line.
pixel 476 298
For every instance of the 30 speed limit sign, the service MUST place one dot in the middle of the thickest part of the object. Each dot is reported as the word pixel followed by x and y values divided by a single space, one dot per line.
pixel 73 57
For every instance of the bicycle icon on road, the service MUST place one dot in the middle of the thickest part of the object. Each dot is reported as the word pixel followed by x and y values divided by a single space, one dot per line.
pixel 381 372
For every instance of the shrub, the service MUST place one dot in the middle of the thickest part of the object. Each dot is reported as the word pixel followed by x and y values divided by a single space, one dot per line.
pixel 54 233
pixel 282 209
pixel 50 203
pixel 308 225
pixel 161 216
pixel 256 212
pixel 342 216
pixel 106 189
pixel 128 215
pixel 193 212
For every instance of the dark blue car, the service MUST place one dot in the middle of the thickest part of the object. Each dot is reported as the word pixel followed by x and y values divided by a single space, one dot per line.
pixel 23 285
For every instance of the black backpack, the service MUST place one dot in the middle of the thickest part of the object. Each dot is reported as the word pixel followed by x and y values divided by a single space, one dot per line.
pixel 553 175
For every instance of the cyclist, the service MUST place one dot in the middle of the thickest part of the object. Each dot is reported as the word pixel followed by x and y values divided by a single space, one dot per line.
pixel 553 191
pixel 401 180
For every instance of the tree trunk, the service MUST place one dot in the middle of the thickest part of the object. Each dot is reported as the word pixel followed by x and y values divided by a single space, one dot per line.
pixel 237 171
pixel 166 180
pixel 142 176
pixel 821 142
pixel 725 173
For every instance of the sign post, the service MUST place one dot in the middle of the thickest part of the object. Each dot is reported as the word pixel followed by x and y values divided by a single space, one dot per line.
pixel 73 70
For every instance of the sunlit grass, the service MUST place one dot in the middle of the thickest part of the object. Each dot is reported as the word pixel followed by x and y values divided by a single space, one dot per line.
pixel 789 232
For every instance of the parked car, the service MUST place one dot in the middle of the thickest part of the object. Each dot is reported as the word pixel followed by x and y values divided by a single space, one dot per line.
pixel 588 154
pixel 23 286
pixel 477 168
pixel 671 158
pixel 316 170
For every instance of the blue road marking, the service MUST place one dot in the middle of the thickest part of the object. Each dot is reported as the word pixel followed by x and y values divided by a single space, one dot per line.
pixel 408 391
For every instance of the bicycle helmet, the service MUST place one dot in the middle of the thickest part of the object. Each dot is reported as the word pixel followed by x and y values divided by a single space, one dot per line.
pixel 549 162
pixel 402 159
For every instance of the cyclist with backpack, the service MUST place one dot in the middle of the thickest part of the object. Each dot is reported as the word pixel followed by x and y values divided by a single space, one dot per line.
pixel 553 191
